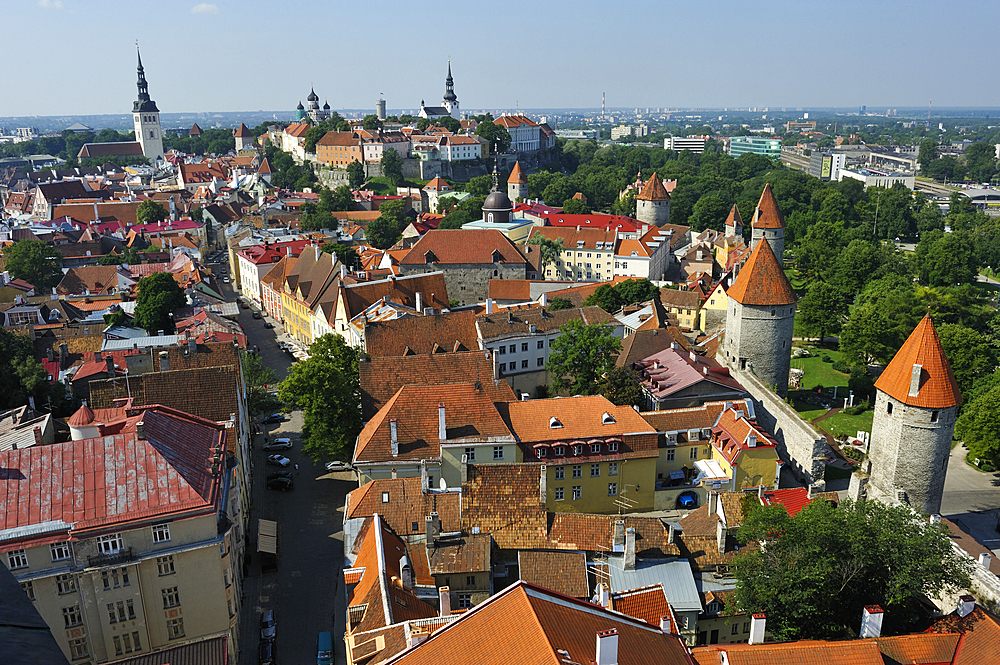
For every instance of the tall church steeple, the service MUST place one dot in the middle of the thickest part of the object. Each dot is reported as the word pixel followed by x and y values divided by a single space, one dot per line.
pixel 143 103
pixel 450 98
pixel 146 117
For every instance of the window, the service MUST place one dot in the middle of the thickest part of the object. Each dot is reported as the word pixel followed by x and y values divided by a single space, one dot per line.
pixel 541 344
pixel 595 448
pixel 934 416
pixel 175 628
pixel 577 491
pixel 127 642
pixel 118 645
pixel 560 451
pixel 612 489
pixel 613 447
pixel 524 364
pixel 577 450
pixel 65 584
pixel 503 367
pixel 524 346
pixel 137 644
pixel 78 649
pixel 560 494
pixel 540 362
pixel 612 468
pixel 497 452
pixel 578 471
pixel 746 627
pixel 131 609
pixel 385 497
pixel 694 452
pixel 560 473
pixel 595 470
pixel 165 565
pixel 888 408
pixel 736 629
pixel 29 590
pixel 464 601
pixel 470 454
pixel 60 551
pixel 17 559
pixel 502 350
pixel 110 544
pixel 470 580
pixel 72 616
pixel 513 348
pixel 161 533
pixel 541 452
pixel 670 454
pixel 112 617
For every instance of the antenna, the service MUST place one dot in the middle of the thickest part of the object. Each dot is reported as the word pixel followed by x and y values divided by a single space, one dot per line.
pixel 602 107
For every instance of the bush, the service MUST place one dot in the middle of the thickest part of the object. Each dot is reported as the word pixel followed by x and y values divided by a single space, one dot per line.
pixel 841 366
pixel 857 409
pixel 827 359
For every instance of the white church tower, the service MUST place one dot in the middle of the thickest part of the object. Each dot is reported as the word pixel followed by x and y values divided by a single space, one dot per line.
pixel 146 118
pixel 450 99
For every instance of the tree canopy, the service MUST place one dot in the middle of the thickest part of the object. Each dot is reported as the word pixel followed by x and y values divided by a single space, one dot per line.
pixel 327 389
pixel 150 212
pixel 548 248
pixel 259 378
pixel 22 376
pixel 384 231
pixel 612 297
pixel 392 167
pixel 35 262
pixel 159 295
pixel 580 356
pixel 621 386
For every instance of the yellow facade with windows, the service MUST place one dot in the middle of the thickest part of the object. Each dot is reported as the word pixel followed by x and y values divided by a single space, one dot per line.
pixel 713 309
pixel 753 466
pixel 478 453
pixel 598 486
pixel 297 317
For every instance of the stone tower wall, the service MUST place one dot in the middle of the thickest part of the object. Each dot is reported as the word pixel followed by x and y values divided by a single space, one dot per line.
pixel 909 453
pixel 775 238
pixel 148 134
pixel 517 190
pixel 654 213
pixel 761 338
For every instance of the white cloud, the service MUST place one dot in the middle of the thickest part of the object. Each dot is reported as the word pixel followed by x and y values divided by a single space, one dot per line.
pixel 50 4
pixel 203 8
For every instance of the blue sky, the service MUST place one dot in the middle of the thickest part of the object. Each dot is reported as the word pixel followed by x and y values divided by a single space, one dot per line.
pixel 78 56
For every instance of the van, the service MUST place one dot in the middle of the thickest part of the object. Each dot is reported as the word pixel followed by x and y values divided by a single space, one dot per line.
pixel 324 649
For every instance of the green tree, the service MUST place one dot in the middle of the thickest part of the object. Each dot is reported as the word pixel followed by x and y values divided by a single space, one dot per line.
pixel 22 376
pixel 392 167
pixel 621 386
pixel 560 303
pixel 159 296
pixel 33 261
pixel 327 389
pixel 497 135
pixel 581 355
pixel 633 291
pixel 150 212
pixel 356 174
pixel 606 297
pixel 259 378
pixel 824 564
pixel 549 249
pixel 342 199
pixel 821 310
pixel 344 253
pixel 117 317
pixel 981 162
pixel 384 231
pixel 969 353
pixel 946 259
pixel 449 123
pixel 372 123
pixel 709 213
pixel 927 152
pixel 455 219
pixel 885 314
pixel 480 185
pixel 574 206
pixel 860 382
pixel 979 429
pixel 128 255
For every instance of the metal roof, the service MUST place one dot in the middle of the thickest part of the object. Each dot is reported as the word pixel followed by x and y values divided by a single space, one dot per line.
pixel 152 341
pixel 674 574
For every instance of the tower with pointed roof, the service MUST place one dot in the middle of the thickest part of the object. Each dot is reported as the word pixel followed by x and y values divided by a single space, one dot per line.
pixel 760 320
pixel 300 112
pixel 517 184
pixel 769 224
pixel 244 137
pixel 734 223
pixel 916 403
pixel 146 118
pixel 652 204
pixel 450 99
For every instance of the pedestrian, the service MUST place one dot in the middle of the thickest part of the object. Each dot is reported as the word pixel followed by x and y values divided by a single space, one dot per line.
pixel 296 468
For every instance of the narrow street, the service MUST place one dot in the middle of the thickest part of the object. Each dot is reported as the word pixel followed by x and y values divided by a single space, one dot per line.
pixel 305 590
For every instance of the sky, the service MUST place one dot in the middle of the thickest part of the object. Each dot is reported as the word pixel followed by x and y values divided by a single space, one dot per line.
pixel 77 57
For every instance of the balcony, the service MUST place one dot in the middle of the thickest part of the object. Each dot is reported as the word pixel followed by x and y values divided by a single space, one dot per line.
pixel 110 559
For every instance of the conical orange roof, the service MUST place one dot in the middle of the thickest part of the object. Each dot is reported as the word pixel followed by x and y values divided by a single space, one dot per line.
pixel 937 388
pixel 265 167
pixel 734 218
pixel 517 175
pixel 243 132
pixel 654 190
pixel 762 281
pixel 195 130
pixel 768 215
pixel 83 417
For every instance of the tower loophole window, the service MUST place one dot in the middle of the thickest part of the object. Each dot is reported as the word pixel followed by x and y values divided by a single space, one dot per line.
pixel 888 408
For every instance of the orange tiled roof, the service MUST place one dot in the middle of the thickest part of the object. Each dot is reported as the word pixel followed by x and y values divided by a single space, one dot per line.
pixel 242 132
pixel 469 246
pixel 925 648
pixel 852 652
pixel 734 217
pixel 938 388
pixel 647 603
pixel 564 572
pixel 980 636
pixel 517 175
pixel 654 190
pixel 579 417
pixel 762 281
pixel 768 215
pixel 407 504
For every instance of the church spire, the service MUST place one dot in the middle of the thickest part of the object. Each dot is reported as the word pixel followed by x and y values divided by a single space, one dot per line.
pixel 143 103
pixel 449 86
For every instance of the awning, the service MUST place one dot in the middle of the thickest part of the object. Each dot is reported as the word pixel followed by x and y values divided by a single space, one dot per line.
pixel 677 475
pixel 267 536
pixel 709 469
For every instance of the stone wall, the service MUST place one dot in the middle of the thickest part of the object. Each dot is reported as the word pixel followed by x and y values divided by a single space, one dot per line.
pixel 468 283
pixel 800 446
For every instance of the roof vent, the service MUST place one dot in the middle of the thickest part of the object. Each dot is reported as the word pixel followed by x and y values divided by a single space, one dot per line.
pixel 554 423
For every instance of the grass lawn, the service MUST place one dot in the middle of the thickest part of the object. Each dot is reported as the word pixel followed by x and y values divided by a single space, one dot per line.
pixel 842 423
pixel 798 282
pixel 807 409
pixel 819 373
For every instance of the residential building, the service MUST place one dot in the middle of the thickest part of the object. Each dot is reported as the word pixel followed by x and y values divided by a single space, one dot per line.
pixel 462 564
pixel 468 258
pixel 694 144
pixel 412 295
pixel 403 504
pixel 461 148
pixel 255 262
pixel 521 340
pixel 745 451
pixel 712 315
pixel 339 149
pixel 826 165
pixel 271 286
pixel 293 138
pixel 587 253
pixel 685 305
pixel 23 427
pixel 434 189
pixel 128 571
pixel 312 274
pixel 757 145
pixel 673 379
pixel 452 332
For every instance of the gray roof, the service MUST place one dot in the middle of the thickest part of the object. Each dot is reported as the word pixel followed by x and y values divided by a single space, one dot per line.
pixel 141 342
pixel 209 651
pixel 435 110
pixel 674 574
pixel 25 637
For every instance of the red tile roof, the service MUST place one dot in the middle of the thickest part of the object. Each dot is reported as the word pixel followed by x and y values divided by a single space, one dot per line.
pixel 517 175
pixel 578 417
pixel 762 281
pixel 415 335
pixel 407 504
pixel 768 215
pixel 852 652
pixel 466 246
pixel 562 572
pixel 653 190
pixel 980 632
pixel 922 649
pixel 648 603
pixel 937 387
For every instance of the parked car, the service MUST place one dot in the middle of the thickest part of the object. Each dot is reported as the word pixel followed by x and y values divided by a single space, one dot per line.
pixel 225 280
pixel 265 653
pixel 274 418
pixel 282 484
pixel 278 444
pixel 267 625
pixel 268 325
pixel 278 460
pixel 279 474
pixel 256 315
pixel 324 649
pixel 337 465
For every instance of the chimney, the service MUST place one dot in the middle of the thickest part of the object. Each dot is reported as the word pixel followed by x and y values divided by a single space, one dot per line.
pixel 50 354
pixel 405 572
pixel 671 532
pixel 393 437
pixel 720 536
pixel 164 361
pixel 415 637
pixel 752 441
pixel 432 529
pixel 420 303
pixel 984 558
pixel 757 628
pixel 810 491
pixel 424 485
pixel 966 604
pixel 713 502
pixel 318 251
pixel 618 537
pixel 464 468
pixel 140 430
pixel 97 357
pixel 604 595
pixel 343 270
pixel 915 380
pixel 629 560
pixel 442 427
pixel 63 354
pixel 871 621
pixel 607 647
pixel 665 624
pixel 288 250
pixel 159 333
pixel 37 431
pixel 444 601
pixel 489 305
pixel 543 486
pixel 111 365
pixel 760 491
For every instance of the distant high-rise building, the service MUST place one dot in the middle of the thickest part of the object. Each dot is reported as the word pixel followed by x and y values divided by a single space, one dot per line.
pixel 380 109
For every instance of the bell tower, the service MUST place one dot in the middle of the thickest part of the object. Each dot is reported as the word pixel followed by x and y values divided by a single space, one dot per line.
pixel 146 118
pixel 450 99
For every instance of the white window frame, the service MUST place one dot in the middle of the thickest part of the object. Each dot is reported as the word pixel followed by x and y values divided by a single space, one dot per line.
pixel 470 454
pixel 17 559
pixel 595 470
pixel 60 551
pixel 670 454
pixel 559 493
pixel 612 489
pixel 65 583
pixel 165 565
pixel 110 544
pixel 612 468
pixel 578 471
pixel 161 533
pixel 595 448
pixel 497 452
pixel 613 447
pixel 577 492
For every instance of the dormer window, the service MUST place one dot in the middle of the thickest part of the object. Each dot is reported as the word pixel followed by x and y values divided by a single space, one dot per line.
pixel 595 448
pixel 559 451
pixel 541 452
pixel 613 447
pixel 429 257
pixel 497 257
pixel 577 449
pixel 554 423
pixel 607 419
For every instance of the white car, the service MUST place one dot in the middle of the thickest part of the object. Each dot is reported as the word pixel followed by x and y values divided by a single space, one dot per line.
pixel 278 460
pixel 283 443
pixel 337 465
